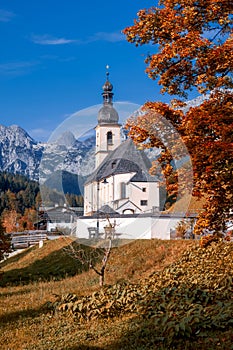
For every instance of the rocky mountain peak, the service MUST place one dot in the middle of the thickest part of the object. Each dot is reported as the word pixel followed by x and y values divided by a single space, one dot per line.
pixel 66 139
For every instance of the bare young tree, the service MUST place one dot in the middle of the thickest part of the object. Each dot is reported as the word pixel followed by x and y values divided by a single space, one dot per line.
pixel 91 256
pixel 106 254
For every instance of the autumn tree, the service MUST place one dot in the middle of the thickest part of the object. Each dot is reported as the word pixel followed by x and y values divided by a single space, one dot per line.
pixel 4 241
pixel 27 221
pixel 10 220
pixel 193 50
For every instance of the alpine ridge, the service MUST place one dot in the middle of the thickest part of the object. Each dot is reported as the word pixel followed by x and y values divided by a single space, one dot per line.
pixel 21 154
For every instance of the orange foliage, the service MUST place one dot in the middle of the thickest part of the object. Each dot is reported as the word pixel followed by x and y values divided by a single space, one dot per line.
pixel 9 220
pixel 15 222
pixel 195 41
pixel 27 221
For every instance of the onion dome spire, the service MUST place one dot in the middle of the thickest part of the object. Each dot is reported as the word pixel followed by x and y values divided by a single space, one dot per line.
pixel 107 114
pixel 107 89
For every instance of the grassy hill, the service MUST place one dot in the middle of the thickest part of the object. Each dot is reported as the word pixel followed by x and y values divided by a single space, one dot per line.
pixel 158 295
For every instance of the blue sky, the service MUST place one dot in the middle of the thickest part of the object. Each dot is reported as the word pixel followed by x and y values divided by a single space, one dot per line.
pixel 53 58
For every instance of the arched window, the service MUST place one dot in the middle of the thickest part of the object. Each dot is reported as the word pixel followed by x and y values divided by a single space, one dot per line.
pixel 109 138
pixel 128 211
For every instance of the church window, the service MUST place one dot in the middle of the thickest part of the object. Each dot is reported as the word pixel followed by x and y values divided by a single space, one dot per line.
pixel 109 138
pixel 123 190
pixel 128 211
pixel 143 202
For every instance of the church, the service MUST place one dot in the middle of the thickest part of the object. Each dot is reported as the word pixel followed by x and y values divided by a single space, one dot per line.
pixel 120 191
pixel 121 183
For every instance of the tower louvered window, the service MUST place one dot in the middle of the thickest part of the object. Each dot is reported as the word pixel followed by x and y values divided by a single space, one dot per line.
pixel 109 138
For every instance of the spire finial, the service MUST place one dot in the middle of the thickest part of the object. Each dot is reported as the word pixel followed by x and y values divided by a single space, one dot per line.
pixel 107 71
pixel 107 88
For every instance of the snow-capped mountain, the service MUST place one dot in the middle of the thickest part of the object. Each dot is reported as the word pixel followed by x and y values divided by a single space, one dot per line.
pixel 75 157
pixel 20 154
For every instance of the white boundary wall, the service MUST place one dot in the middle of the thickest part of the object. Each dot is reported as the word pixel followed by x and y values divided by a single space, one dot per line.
pixel 141 227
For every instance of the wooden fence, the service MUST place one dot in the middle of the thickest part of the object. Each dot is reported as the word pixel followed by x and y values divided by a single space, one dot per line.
pixel 25 240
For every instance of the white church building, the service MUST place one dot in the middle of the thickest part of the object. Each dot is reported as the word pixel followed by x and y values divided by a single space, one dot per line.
pixel 121 180
pixel 121 190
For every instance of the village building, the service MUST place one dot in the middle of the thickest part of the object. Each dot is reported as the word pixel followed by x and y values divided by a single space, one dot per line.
pixel 58 217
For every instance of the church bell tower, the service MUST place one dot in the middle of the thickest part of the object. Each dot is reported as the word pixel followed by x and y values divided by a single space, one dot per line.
pixel 108 127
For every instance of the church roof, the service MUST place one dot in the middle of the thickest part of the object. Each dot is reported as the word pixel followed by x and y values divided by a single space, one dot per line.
pixel 129 202
pixel 140 176
pixel 126 158
pixel 106 209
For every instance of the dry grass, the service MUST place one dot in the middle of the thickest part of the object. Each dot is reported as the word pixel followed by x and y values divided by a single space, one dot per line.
pixel 26 325
pixel 193 204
